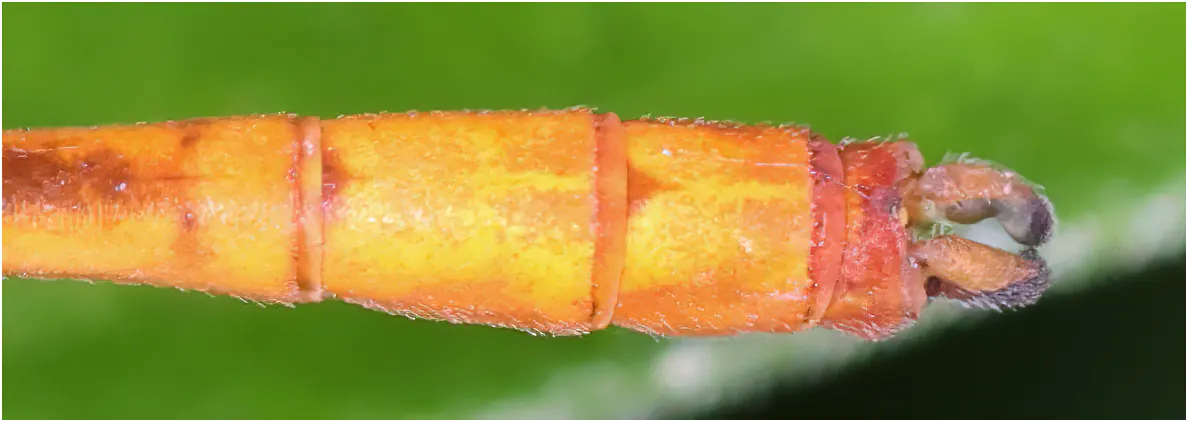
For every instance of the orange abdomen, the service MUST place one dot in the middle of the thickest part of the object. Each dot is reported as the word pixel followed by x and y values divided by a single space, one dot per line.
pixel 561 222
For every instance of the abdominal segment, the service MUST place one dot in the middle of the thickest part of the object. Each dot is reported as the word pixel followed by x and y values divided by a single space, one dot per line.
pixel 559 222
pixel 202 204
pixel 492 218
pixel 719 229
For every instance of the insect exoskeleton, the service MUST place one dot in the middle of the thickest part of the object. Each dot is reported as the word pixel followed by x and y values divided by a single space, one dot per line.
pixel 559 222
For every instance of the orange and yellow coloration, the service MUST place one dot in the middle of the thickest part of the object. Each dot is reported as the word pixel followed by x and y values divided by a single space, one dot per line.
pixel 561 222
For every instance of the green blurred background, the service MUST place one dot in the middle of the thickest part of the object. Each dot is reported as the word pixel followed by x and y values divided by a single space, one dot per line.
pixel 1084 99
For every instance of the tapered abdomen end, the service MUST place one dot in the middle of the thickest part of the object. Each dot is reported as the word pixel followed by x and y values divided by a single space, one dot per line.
pixel 879 291
pixel 202 204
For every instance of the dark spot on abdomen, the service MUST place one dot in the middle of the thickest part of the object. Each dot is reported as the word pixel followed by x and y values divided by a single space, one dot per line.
pixel 191 133
pixel 189 220
pixel 641 187
pixel 189 139
pixel 50 178
pixel 334 179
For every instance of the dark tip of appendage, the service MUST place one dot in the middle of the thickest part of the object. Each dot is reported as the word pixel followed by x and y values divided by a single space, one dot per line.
pixel 1043 222
pixel 1030 223
pixel 1018 294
